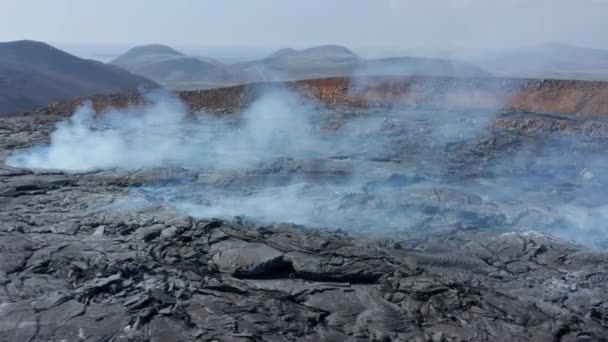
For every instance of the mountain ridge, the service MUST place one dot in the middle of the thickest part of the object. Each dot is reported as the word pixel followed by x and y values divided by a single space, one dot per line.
pixel 33 74
pixel 285 64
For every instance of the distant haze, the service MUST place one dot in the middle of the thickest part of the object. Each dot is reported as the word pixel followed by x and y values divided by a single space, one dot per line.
pixel 381 25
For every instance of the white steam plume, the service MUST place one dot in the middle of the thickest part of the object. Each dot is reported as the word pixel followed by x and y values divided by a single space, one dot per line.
pixel 392 167
pixel 163 134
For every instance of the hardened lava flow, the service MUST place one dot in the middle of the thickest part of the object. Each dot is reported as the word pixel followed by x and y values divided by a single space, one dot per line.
pixel 418 209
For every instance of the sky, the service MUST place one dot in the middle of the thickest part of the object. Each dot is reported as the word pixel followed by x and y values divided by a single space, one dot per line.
pixel 396 24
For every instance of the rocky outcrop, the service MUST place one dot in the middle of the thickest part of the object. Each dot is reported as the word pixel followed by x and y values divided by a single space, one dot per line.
pixel 589 98
pixel 511 94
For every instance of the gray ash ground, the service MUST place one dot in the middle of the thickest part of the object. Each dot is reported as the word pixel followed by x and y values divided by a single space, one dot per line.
pixel 420 225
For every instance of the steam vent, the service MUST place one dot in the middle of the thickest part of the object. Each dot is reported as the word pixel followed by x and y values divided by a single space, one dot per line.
pixel 367 208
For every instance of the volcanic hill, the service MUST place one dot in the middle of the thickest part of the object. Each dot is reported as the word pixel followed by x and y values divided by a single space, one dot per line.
pixel 33 74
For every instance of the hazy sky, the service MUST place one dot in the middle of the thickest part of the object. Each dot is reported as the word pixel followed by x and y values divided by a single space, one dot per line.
pixel 401 24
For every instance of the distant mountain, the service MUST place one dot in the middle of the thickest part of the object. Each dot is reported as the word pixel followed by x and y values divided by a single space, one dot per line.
pixel 145 54
pixel 418 66
pixel 289 64
pixel 170 67
pixel 35 74
pixel 549 61
pixel 178 71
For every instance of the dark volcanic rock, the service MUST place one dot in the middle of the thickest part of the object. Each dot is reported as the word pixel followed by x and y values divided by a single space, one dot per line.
pixel 220 280
pixel 89 256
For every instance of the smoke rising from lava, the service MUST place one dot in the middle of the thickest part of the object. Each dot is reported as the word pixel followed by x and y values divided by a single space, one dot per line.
pixel 380 171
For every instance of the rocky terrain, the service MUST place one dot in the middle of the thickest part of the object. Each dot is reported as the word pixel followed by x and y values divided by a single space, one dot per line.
pixel 463 221
pixel 495 94
pixel 34 74
pixel 178 71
